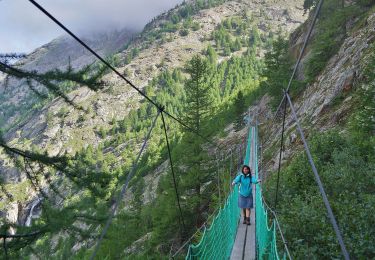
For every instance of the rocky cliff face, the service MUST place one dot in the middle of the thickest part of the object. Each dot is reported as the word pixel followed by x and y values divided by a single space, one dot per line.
pixel 316 107
pixel 58 128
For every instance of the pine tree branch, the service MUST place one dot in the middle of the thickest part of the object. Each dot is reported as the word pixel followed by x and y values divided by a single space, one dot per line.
pixel 53 79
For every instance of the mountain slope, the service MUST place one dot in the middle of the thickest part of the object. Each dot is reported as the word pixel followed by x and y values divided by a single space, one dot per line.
pixel 16 97
pixel 116 101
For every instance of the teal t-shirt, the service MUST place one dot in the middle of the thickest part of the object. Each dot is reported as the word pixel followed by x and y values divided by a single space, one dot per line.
pixel 245 183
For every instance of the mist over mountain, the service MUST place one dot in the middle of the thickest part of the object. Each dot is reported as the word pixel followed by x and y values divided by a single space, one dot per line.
pixel 27 28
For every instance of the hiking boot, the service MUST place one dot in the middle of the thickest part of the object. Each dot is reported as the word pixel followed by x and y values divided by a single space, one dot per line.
pixel 244 220
pixel 248 221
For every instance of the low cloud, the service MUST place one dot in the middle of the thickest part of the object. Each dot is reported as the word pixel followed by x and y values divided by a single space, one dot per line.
pixel 24 28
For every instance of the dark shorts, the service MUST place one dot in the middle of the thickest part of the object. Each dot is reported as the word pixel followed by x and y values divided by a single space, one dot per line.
pixel 245 202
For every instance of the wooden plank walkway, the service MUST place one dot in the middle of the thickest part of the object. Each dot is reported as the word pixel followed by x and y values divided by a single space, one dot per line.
pixel 244 246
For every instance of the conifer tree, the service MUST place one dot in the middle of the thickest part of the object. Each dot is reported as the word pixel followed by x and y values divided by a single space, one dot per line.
pixel 83 174
pixel 196 112
pixel 277 70
pixel 239 106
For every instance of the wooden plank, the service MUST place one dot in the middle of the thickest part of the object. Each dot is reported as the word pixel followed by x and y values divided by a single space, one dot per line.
pixel 250 249
pixel 238 246
pixel 244 245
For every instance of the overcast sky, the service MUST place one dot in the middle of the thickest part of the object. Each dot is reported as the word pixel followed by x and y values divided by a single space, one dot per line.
pixel 24 28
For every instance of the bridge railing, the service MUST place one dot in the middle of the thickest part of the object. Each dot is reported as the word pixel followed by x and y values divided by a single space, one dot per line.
pixel 218 239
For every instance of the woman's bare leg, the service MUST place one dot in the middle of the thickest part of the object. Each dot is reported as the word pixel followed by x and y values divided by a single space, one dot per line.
pixel 248 211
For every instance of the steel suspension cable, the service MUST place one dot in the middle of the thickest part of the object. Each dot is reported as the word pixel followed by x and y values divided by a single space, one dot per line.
pixel 307 38
pixel 281 151
pixel 318 8
pixel 124 187
pixel 317 178
pixel 173 174
pixel 190 129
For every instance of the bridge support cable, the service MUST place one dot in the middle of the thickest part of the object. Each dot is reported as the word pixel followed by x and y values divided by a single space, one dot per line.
pixel 317 178
pixel 124 188
pixel 218 175
pixel 280 154
pixel 307 38
pixel 183 233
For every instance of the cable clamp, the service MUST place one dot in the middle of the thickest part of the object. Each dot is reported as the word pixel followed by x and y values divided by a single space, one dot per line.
pixel 161 108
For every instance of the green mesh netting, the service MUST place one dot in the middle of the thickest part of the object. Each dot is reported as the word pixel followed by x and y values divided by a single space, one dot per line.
pixel 217 240
pixel 265 235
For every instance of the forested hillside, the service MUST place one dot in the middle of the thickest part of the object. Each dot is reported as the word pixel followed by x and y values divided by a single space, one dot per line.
pixel 206 63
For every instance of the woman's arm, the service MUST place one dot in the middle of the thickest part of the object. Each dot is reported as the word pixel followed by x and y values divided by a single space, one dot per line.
pixel 254 180
pixel 236 180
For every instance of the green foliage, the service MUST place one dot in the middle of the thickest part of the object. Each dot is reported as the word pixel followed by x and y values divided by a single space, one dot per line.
pixel 344 171
pixel 192 165
pixel 102 132
pixel 197 108
pixel 197 99
pixel 331 32
pixel 195 26
pixel 184 32
pixel 277 72
pixel 175 18
pixel 366 3
pixel 345 161
pixel 362 122
pixel 40 88
pixel 228 35
pixel 211 55
pixel 239 104
pixel 179 19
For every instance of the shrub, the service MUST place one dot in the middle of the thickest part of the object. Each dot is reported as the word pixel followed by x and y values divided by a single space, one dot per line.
pixel 184 32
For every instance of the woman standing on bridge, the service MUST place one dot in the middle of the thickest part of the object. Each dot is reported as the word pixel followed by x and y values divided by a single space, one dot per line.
pixel 245 199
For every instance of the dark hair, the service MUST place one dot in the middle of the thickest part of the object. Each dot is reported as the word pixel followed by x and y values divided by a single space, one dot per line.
pixel 245 166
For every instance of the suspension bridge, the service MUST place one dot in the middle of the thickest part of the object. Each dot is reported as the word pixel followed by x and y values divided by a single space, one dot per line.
pixel 227 237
